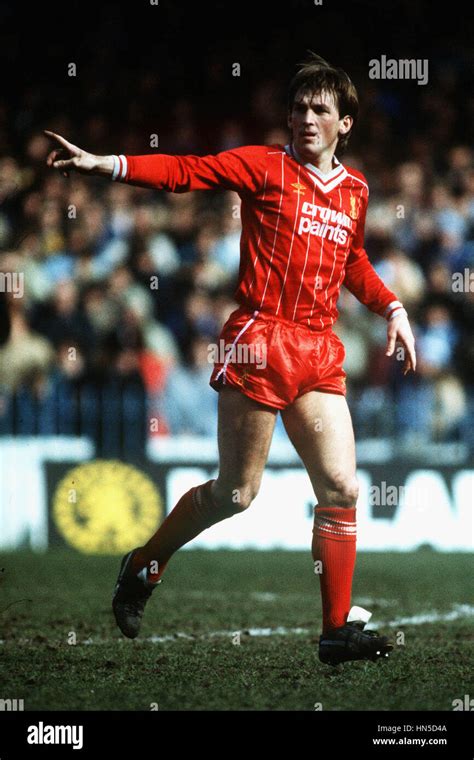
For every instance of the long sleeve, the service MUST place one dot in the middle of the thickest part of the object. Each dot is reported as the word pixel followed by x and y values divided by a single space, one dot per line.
pixel 241 169
pixel 361 279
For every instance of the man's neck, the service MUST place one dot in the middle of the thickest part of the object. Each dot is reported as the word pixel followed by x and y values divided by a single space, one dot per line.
pixel 325 163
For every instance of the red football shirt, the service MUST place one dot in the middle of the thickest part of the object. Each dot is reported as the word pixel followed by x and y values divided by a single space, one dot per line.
pixel 302 231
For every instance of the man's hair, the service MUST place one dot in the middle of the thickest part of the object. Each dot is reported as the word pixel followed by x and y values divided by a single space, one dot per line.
pixel 315 75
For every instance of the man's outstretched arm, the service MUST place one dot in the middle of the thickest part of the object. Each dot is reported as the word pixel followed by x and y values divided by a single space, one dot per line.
pixel 69 157
pixel 241 169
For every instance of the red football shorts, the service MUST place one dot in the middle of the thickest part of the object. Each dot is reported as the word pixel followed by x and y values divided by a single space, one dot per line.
pixel 274 361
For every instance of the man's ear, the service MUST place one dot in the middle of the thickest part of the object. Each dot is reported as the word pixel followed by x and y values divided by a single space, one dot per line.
pixel 345 125
pixel 289 120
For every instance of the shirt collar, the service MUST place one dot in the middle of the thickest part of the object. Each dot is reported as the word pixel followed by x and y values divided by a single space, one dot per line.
pixel 291 152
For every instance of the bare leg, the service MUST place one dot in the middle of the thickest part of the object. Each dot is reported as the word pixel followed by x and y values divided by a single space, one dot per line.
pixel 319 426
pixel 245 430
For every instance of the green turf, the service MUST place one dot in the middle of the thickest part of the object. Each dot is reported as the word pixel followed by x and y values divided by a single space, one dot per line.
pixel 204 592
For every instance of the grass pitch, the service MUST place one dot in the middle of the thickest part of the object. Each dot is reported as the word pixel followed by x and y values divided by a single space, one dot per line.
pixel 231 631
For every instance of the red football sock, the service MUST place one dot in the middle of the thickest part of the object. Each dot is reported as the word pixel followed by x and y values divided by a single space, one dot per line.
pixel 194 512
pixel 334 544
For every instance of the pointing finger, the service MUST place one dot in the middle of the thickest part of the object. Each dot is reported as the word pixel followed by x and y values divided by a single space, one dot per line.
pixel 60 140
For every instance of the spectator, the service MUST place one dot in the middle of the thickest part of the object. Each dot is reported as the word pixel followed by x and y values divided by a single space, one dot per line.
pixel 92 252
pixel 189 403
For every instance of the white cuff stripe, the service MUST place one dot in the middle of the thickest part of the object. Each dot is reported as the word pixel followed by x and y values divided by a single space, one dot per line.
pixel 116 168
pixel 120 168
pixel 397 312
pixel 391 307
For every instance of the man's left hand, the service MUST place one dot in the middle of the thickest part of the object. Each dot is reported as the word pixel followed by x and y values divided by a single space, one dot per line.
pixel 399 331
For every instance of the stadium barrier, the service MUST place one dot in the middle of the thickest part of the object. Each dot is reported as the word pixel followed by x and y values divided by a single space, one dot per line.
pixel 55 491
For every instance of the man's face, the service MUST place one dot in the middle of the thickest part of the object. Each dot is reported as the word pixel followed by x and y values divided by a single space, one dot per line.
pixel 316 124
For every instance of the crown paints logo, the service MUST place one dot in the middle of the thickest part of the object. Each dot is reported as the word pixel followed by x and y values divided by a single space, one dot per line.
pixel 106 506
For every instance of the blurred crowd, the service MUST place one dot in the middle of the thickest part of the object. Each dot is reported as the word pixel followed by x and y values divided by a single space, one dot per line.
pixel 125 288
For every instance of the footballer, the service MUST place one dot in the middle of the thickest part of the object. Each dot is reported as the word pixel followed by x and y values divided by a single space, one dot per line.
pixel 303 215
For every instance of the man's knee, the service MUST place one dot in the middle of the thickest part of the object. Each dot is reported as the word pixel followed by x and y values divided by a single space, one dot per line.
pixel 341 491
pixel 234 498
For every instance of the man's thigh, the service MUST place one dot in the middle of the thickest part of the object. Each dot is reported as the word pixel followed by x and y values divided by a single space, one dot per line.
pixel 245 430
pixel 320 428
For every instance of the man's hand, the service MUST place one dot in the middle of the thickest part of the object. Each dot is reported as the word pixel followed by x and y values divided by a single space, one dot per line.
pixel 399 330
pixel 71 158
